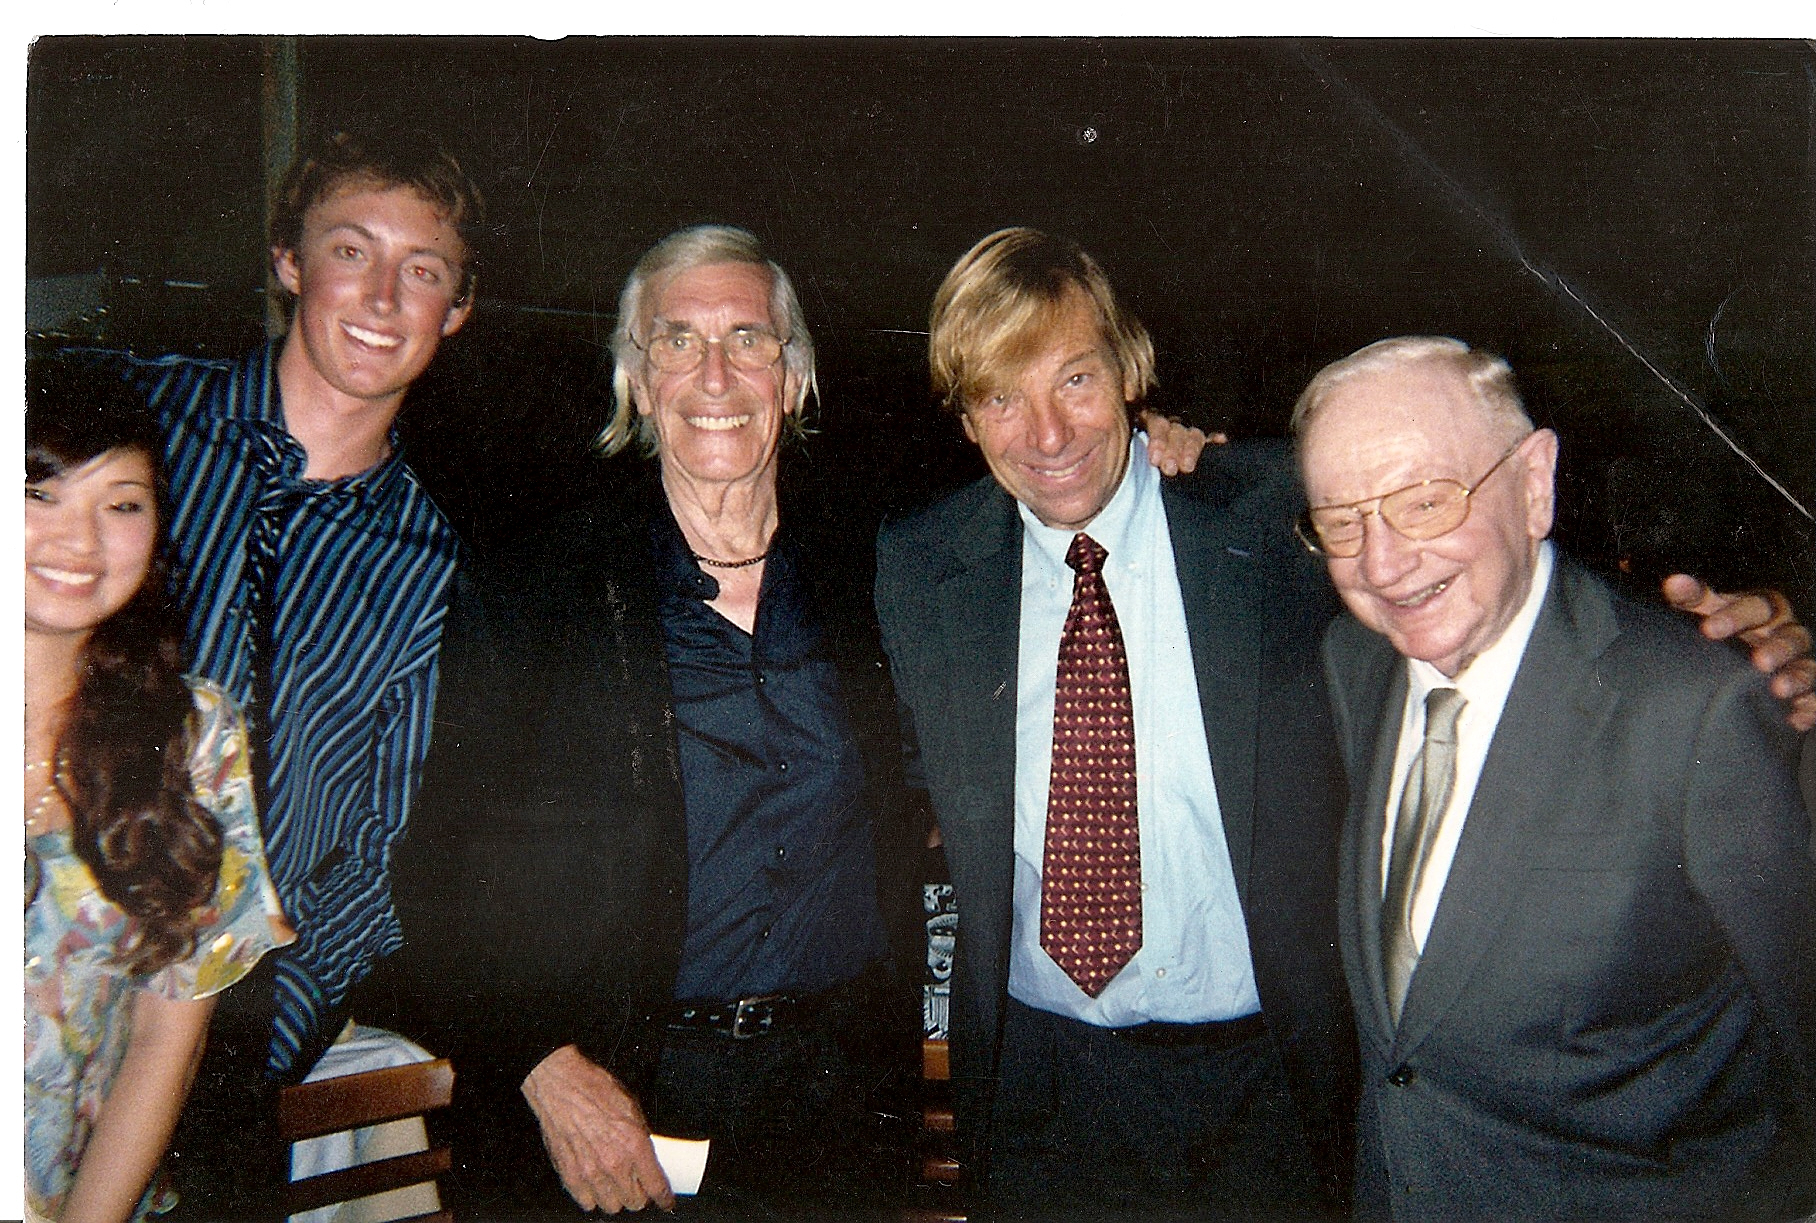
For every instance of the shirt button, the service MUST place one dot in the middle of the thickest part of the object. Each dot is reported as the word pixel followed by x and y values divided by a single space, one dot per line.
pixel 1160 973
pixel 766 932
pixel 759 680
pixel 1403 1076
pixel 781 852
pixel 783 767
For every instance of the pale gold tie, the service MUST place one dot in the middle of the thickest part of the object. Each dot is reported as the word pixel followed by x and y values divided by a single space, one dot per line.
pixel 1427 793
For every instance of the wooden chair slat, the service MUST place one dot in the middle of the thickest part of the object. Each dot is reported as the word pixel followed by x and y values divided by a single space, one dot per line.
pixel 361 1180
pixel 326 1106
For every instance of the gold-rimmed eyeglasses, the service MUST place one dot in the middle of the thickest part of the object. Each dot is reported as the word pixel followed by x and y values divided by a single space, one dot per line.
pixel 681 350
pixel 1419 511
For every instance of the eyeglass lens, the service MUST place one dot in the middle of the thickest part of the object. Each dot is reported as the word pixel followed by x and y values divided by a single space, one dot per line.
pixel 1418 511
pixel 1424 511
pixel 746 348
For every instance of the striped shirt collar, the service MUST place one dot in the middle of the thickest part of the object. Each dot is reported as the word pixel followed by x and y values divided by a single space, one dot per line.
pixel 281 459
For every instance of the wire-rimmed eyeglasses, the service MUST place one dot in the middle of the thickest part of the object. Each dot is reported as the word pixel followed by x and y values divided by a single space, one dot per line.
pixel 681 350
pixel 1419 511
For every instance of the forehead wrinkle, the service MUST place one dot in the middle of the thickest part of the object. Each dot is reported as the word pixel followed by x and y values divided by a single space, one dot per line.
pixel 664 323
pixel 1087 353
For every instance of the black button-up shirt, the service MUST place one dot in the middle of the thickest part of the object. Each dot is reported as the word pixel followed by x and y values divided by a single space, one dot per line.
pixel 781 889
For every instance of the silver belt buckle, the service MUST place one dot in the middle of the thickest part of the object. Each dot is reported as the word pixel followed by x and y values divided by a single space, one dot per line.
pixel 752 1016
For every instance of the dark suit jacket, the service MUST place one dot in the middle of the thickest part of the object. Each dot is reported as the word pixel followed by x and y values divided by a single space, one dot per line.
pixel 949 599
pixel 543 881
pixel 1616 1009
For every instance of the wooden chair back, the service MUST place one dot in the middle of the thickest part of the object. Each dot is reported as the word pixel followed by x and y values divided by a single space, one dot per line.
pixel 934 1200
pixel 352 1101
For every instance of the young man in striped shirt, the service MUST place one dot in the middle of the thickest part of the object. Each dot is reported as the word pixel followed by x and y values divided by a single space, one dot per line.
pixel 316 570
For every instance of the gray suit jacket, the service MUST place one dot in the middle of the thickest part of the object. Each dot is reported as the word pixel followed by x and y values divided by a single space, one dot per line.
pixel 1615 1014
pixel 949 601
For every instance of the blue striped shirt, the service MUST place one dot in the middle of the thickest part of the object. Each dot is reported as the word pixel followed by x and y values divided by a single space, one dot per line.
pixel 363 566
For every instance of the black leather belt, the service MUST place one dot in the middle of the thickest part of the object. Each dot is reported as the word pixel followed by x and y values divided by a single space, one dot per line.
pixel 1221 1034
pixel 744 1018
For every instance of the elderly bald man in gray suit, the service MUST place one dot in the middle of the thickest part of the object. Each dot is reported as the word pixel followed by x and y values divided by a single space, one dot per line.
pixel 1577 908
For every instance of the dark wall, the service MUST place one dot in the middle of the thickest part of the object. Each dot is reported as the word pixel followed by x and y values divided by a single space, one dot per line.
pixel 1601 212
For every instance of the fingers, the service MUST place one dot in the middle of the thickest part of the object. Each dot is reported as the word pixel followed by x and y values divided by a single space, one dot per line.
pixel 1755 616
pixel 609 1175
pixel 568 1166
pixel 1689 594
pixel 1795 682
pixel 647 1175
pixel 1191 445
pixel 1172 447
pixel 1803 713
pixel 1780 645
pixel 595 1135
pixel 1722 615
pixel 577 1186
pixel 1779 648
pixel 1762 619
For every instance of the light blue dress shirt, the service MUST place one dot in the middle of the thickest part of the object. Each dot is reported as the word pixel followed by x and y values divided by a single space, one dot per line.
pixel 1194 964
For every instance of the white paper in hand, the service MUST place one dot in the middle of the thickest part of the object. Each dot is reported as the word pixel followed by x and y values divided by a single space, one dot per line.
pixel 683 1161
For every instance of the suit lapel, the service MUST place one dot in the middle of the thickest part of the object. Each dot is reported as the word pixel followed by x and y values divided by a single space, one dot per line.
pixel 1374 692
pixel 979 599
pixel 1554 708
pixel 980 607
pixel 1226 628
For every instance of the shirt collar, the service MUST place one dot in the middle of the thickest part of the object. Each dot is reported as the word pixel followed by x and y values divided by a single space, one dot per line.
pixel 676 568
pixel 1489 678
pixel 1111 528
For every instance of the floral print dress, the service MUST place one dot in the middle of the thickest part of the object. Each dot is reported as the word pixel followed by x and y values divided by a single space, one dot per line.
pixel 78 1002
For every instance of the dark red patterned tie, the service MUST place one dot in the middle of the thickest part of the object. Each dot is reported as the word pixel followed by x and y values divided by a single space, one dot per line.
pixel 1090 901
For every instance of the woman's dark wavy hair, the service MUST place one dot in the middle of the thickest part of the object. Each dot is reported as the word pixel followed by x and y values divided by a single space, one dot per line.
pixel 154 850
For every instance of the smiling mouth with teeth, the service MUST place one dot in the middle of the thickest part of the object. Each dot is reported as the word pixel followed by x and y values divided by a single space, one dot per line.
pixel 64 576
pixel 718 424
pixel 1430 592
pixel 371 339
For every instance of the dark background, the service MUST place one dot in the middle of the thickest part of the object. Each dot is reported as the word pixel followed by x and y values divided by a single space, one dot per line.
pixel 1266 205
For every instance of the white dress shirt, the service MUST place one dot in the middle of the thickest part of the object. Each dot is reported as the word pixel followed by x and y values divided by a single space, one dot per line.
pixel 1194 964
pixel 1484 683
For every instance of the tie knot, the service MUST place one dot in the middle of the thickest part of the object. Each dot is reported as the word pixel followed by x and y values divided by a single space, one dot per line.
pixel 1442 708
pixel 1085 555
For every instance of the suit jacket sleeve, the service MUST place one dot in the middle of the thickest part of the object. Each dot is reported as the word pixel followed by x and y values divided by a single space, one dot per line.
pixel 1746 837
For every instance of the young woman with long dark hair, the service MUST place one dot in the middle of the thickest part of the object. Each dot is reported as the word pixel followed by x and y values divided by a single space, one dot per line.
pixel 146 887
